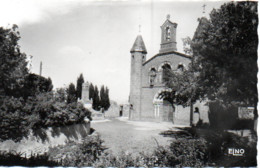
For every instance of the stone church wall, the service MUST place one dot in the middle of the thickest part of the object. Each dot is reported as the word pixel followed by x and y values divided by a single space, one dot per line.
pixel 173 59
pixel 147 102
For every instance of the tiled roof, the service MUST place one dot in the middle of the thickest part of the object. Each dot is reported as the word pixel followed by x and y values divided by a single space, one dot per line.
pixel 139 45
pixel 167 53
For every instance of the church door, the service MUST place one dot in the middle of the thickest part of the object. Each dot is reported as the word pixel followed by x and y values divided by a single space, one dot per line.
pixel 167 111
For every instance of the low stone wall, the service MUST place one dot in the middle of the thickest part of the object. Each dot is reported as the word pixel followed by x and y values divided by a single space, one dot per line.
pixel 40 140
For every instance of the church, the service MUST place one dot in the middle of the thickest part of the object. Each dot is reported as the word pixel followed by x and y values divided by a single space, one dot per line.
pixel 147 83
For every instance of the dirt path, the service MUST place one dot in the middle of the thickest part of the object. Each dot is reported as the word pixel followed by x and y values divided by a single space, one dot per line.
pixel 133 137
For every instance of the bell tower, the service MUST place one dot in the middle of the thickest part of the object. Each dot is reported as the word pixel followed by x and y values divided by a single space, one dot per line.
pixel 168 37
pixel 138 57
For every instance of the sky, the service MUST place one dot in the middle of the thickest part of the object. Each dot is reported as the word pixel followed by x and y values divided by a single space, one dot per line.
pixel 95 37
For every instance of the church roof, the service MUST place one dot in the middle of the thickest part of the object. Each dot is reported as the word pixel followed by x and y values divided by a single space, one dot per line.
pixel 139 45
pixel 167 53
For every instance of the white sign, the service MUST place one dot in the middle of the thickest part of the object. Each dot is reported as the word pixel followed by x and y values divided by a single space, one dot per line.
pixel 246 113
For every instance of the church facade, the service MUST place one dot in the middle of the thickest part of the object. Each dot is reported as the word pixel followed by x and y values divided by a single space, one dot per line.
pixel 147 83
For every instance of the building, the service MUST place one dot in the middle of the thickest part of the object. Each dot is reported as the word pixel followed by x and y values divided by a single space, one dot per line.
pixel 85 96
pixel 147 83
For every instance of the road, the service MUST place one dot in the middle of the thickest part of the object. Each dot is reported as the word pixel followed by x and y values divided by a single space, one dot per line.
pixel 121 135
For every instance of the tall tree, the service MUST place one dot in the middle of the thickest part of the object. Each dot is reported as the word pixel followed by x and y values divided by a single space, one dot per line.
pixel 102 97
pixel 13 64
pixel 107 100
pixel 91 91
pixel 71 93
pixel 80 81
pixel 225 48
pixel 224 63
pixel 96 99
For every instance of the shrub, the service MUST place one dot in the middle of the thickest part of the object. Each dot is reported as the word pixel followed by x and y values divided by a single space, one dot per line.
pixel 222 116
pixel 79 154
pixel 218 144
pixel 14 121
pixel 11 159
pixel 17 116
pixel 183 152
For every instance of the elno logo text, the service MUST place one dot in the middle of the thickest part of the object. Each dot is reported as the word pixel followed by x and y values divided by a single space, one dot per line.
pixel 236 152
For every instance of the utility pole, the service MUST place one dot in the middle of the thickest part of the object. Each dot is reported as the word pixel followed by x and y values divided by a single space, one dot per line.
pixel 41 68
pixel 191 96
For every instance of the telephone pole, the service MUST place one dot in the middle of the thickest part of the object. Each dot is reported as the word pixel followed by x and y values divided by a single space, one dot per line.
pixel 41 68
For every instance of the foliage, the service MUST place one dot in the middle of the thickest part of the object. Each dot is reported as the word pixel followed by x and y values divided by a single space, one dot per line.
pixel 225 48
pixel 80 81
pixel 96 99
pixel 60 94
pixel 43 110
pixel 71 93
pixel 183 152
pixel 224 63
pixel 35 84
pixel 15 122
pixel 84 154
pixel 91 91
pixel 104 98
pixel 55 113
pixel 13 64
pixel 187 46
pixel 217 143
pixel 91 152
pixel 11 159
pixel 225 116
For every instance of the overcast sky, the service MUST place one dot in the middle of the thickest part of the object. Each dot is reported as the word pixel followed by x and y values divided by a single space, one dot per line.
pixel 95 38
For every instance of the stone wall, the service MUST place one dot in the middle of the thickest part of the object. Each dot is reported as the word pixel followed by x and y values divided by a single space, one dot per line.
pixel 173 59
pixel 40 140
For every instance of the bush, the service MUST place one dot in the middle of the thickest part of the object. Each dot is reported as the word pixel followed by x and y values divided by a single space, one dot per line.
pixel 82 154
pixel 11 159
pixel 17 116
pixel 218 144
pixel 183 152
pixel 14 121
pixel 222 116
pixel 215 149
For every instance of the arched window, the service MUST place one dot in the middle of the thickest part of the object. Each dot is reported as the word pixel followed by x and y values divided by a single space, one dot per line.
pixel 196 110
pixel 180 67
pixel 165 71
pixel 152 76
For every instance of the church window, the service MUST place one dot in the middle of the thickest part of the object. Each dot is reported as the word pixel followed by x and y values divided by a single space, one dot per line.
pixel 196 110
pixel 180 67
pixel 165 72
pixel 152 76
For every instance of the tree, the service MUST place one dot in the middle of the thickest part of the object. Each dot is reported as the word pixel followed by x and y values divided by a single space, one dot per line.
pixel 96 99
pixel 60 94
pixel 71 94
pixel 224 62
pixel 184 88
pixel 225 48
pixel 80 81
pixel 102 97
pixel 107 100
pixel 35 84
pixel 91 91
pixel 13 64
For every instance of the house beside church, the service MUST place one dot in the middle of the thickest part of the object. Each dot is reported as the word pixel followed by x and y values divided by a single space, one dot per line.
pixel 147 83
